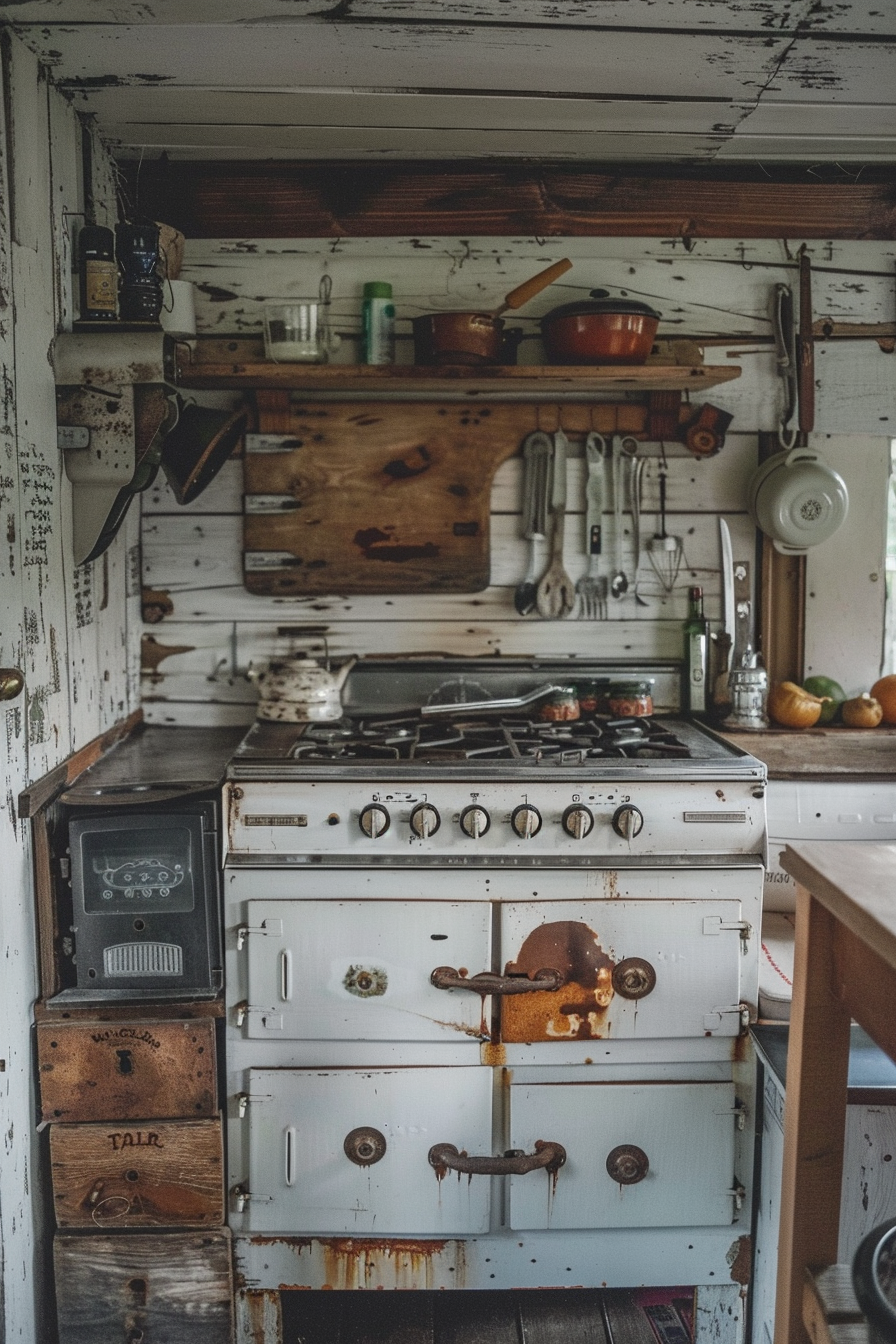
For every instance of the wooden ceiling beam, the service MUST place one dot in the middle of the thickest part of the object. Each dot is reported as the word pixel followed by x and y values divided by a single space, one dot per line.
pixel 286 199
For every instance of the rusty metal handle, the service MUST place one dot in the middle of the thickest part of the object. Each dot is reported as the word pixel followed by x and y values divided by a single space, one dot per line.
pixel 488 982
pixel 547 1157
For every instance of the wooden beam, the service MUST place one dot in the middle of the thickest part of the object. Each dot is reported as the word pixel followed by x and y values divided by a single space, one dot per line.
pixel 288 199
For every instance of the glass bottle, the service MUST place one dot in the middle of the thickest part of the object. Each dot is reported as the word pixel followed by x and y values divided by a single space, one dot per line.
pixel 98 275
pixel 696 655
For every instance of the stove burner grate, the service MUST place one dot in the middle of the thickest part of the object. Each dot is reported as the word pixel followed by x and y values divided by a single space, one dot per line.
pixel 410 738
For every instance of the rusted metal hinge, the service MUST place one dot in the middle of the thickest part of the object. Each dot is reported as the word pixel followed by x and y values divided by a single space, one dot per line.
pixel 244 1098
pixel 241 1195
pixel 267 928
pixel 738 1194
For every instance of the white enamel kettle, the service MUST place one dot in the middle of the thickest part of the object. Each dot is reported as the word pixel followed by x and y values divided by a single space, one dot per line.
pixel 297 689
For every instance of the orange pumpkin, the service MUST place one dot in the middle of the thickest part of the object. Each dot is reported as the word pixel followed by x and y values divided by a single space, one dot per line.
pixel 884 691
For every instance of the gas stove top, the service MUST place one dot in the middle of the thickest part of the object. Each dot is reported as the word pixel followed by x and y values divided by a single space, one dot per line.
pixel 381 737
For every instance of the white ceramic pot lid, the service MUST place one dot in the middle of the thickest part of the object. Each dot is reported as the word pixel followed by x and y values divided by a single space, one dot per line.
pixel 801 501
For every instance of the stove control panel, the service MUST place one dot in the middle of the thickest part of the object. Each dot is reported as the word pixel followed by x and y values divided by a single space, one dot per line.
pixel 502 822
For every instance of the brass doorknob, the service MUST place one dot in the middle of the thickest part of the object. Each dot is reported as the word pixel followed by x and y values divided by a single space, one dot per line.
pixel 12 683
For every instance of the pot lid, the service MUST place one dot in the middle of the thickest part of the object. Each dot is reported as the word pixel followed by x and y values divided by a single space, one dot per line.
pixel 600 302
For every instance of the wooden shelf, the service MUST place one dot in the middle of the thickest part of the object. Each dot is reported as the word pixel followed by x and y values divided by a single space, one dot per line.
pixel 405 381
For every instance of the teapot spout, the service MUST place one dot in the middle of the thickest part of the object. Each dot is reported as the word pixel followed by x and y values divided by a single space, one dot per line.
pixel 342 674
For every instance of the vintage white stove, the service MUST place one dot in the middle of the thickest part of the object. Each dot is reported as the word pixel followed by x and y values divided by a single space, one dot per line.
pixel 488 984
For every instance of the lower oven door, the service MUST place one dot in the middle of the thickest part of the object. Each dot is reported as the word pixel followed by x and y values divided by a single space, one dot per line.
pixel 638 1154
pixel 346 1151
pixel 339 970
pixel 642 968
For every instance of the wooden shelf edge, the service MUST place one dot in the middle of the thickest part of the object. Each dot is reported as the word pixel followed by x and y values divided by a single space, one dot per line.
pixel 538 381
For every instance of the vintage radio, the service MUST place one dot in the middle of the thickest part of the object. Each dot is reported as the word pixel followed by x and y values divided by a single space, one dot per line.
pixel 145 889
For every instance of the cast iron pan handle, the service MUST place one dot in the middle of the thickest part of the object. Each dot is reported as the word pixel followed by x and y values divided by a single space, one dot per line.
pixel 547 1157
pixel 487 982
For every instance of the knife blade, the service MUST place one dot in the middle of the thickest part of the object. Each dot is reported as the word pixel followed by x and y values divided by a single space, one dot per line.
pixel 728 618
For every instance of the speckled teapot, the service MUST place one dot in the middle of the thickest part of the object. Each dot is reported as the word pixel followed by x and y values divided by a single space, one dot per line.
pixel 298 689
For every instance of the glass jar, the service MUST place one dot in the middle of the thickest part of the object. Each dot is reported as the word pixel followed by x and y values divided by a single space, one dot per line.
pixel 630 699
pixel 561 706
pixel 592 695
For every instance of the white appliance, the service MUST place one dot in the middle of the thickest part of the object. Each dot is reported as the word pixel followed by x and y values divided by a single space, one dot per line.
pixel 489 980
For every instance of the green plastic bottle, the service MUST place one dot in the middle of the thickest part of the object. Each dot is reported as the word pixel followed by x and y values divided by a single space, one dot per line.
pixel 378 317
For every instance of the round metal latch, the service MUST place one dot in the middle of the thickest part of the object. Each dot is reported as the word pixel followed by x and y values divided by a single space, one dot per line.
pixel 364 1146
pixel 634 978
pixel 627 1164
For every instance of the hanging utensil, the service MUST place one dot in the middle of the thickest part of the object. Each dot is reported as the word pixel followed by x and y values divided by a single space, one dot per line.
pixel 637 465
pixel 588 588
pixel 537 452
pixel 619 581
pixel 556 595
pixel 664 552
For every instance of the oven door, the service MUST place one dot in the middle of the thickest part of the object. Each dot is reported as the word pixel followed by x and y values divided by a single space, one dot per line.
pixel 360 970
pixel 631 968
pixel 638 1154
pixel 347 1150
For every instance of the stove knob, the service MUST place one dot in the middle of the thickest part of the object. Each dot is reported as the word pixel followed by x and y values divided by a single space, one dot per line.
pixel 578 822
pixel 526 821
pixel 628 821
pixel 474 821
pixel 374 820
pixel 425 820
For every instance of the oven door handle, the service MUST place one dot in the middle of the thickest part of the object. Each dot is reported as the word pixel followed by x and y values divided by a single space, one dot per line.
pixel 488 982
pixel 548 1156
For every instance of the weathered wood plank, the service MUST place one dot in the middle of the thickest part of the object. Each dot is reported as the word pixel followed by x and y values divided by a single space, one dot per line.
pixel 174 1286
pixel 314 51
pixel 213 200
pixel 140 1070
pixel 167 1173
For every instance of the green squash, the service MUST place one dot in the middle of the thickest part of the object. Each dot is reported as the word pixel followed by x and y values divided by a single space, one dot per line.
pixel 826 686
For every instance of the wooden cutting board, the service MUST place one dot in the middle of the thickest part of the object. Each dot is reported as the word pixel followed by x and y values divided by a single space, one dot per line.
pixel 373 497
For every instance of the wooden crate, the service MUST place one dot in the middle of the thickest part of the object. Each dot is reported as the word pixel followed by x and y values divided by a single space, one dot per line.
pixel 117 1071
pixel 173 1287
pixel 164 1173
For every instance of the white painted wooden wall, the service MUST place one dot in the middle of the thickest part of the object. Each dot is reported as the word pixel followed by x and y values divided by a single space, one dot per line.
pixel 717 289
pixel 73 631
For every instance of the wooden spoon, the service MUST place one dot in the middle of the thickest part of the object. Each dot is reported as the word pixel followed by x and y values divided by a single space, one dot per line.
pixel 523 293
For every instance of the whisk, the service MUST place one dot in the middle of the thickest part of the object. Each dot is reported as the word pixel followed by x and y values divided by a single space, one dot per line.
pixel 663 551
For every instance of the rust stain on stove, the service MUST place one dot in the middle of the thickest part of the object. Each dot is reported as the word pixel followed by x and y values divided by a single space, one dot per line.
pixel 493 1054
pixel 402 1262
pixel 739 1257
pixel 575 1011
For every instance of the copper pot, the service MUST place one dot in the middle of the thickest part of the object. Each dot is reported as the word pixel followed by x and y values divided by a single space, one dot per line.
pixel 464 338
pixel 600 330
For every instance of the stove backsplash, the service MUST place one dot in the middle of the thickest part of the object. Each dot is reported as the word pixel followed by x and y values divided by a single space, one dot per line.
pixel 383 686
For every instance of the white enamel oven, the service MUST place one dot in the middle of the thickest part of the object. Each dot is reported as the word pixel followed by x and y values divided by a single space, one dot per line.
pixel 402 1114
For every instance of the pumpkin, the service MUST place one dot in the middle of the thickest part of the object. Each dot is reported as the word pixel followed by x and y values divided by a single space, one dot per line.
pixel 862 712
pixel 793 707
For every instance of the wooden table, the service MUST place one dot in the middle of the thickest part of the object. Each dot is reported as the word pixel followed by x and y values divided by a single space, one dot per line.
pixel 845 967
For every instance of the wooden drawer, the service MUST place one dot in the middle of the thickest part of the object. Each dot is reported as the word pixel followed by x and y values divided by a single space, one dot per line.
pixel 137 1070
pixel 174 1287
pixel 164 1173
